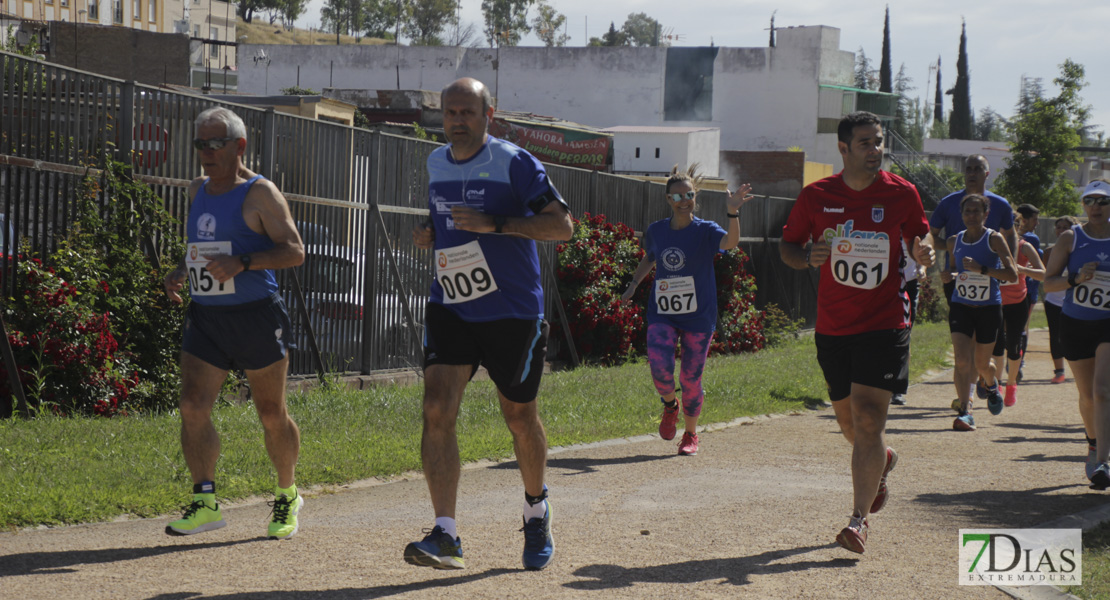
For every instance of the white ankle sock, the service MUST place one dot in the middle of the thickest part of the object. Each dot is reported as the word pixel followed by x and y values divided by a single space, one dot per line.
pixel 448 526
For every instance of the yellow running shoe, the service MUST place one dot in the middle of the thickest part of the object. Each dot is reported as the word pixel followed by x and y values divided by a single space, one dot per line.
pixel 200 516
pixel 284 523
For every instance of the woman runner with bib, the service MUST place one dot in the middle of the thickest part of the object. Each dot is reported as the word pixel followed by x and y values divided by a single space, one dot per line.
pixel 1015 315
pixel 683 303
pixel 980 258
pixel 1085 323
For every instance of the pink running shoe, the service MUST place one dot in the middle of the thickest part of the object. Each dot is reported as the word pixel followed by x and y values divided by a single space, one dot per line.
pixel 689 444
pixel 667 422
pixel 881 496
pixel 1058 378
pixel 854 536
pixel 1011 395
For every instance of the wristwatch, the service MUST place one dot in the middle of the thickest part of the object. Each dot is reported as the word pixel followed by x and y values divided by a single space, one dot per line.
pixel 246 260
pixel 1071 280
pixel 498 223
pixel 983 270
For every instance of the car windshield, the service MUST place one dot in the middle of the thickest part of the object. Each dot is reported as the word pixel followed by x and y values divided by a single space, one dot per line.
pixel 330 275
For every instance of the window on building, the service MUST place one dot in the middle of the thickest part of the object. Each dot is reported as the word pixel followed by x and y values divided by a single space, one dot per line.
pixel 117 11
pixel 136 9
pixel 637 153
pixel 213 49
pixel 65 2
pixel 688 84
pixel 94 10
pixel 657 153
pixel 196 31
pixel 50 1
pixel 152 10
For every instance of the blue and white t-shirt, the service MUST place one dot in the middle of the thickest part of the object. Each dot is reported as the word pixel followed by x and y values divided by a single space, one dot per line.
pixel 487 276
pixel 684 294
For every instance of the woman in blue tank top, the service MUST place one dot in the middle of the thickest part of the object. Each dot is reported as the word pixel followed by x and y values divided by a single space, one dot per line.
pixel 980 258
pixel 1084 251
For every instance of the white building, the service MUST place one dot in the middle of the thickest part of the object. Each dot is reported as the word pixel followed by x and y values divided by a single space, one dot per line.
pixel 653 151
pixel 759 98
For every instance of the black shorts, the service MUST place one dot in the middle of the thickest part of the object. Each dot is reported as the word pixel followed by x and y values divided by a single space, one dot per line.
pixel 979 322
pixel 250 336
pixel 511 350
pixel 1082 338
pixel 1014 317
pixel 878 359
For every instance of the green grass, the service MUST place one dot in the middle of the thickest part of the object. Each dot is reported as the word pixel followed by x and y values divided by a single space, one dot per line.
pixel 1096 565
pixel 57 471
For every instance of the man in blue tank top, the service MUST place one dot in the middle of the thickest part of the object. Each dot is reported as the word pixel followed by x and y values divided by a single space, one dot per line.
pixel 239 230
pixel 489 201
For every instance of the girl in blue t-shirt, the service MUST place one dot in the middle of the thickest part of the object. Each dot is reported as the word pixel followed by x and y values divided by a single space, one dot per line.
pixel 683 304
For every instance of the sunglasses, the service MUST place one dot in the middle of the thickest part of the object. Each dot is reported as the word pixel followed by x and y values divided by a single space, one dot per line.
pixel 1100 200
pixel 212 144
pixel 678 197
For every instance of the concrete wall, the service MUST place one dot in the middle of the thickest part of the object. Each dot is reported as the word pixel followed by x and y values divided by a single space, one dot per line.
pixel 774 173
pixel 150 58
pixel 681 147
pixel 704 148
pixel 762 98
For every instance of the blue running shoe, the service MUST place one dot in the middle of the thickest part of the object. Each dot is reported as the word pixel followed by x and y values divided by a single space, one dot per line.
pixel 964 422
pixel 539 547
pixel 436 550
pixel 994 401
pixel 1100 479
pixel 981 390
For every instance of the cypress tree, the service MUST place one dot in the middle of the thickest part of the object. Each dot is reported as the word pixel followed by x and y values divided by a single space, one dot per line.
pixel 884 67
pixel 938 102
pixel 961 124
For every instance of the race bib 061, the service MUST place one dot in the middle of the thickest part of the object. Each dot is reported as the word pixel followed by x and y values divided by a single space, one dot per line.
pixel 859 263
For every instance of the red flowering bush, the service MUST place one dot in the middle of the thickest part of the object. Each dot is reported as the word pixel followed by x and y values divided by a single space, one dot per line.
pixel 739 324
pixel 595 267
pixel 68 359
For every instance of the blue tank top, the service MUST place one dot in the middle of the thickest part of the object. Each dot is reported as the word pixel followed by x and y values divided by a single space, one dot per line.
pixel 971 288
pixel 684 293
pixel 216 222
pixel 1088 302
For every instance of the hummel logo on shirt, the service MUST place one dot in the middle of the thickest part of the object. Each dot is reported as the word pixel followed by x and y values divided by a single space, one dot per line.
pixel 834 210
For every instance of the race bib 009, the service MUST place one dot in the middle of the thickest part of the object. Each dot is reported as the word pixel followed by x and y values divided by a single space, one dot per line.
pixel 201 282
pixel 859 263
pixel 463 273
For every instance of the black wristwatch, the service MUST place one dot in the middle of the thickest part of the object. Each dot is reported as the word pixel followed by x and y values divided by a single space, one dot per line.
pixel 983 270
pixel 246 260
pixel 1071 280
pixel 498 223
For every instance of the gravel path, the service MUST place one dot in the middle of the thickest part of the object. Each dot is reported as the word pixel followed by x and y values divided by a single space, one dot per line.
pixel 753 515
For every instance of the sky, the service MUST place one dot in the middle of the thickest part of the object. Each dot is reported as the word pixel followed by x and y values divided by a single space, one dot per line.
pixel 1006 40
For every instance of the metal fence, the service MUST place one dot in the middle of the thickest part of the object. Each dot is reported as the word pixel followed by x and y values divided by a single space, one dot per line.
pixel 356 195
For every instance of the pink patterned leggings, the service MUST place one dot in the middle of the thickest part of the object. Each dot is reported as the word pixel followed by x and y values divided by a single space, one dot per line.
pixel 661 342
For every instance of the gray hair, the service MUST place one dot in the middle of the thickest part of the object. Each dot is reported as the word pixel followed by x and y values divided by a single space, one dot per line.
pixel 233 125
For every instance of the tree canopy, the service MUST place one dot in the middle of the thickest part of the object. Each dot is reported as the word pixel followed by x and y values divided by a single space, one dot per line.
pixel 641 30
pixel 548 25
pixel 506 21
pixel 1043 147
pixel 961 124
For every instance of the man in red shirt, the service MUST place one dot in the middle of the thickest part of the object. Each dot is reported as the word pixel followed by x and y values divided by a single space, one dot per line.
pixel 850 226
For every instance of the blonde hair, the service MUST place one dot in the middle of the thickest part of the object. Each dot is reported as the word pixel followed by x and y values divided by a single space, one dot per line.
pixel 691 174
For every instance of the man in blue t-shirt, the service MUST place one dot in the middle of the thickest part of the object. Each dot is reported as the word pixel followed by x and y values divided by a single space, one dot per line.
pixel 949 218
pixel 488 201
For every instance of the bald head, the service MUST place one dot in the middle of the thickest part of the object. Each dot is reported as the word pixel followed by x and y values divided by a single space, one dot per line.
pixel 469 87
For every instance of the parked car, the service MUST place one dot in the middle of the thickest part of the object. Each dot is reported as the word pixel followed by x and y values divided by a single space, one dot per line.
pixel 333 282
